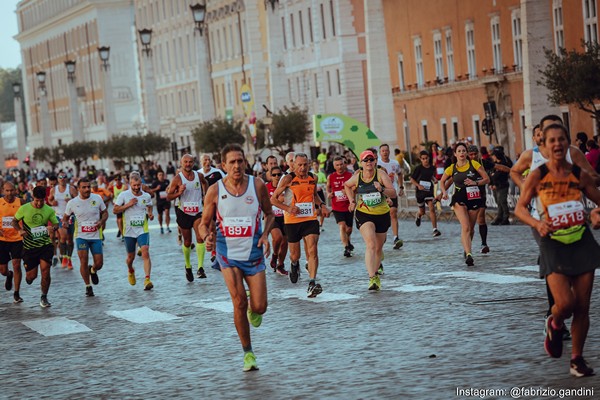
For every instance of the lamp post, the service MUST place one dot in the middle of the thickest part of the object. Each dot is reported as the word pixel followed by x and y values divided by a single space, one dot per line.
pixel 18 105
pixel 205 87
pixel 44 114
pixel 109 108
pixel 151 107
pixel 73 105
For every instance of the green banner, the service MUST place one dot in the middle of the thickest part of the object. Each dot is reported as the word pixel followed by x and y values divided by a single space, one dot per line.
pixel 342 129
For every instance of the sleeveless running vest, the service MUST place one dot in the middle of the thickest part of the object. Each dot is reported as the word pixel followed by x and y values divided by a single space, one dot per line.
pixel 339 201
pixel 458 177
pixel 190 201
pixel 560 202
pixel 7 212
pixel 302 196
pixel 62 199
pixel 238 224
pixel 370 200
pixel 278 212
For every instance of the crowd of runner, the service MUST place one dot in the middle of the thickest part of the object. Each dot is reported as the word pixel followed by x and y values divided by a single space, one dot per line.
pixel 230 210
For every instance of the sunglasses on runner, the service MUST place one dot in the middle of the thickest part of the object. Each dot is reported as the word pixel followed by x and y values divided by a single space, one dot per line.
pixel 62 176
pixel 276 174
pixel 369 159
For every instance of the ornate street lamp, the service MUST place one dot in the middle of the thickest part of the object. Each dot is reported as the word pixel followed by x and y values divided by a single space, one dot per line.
pixel 199 14
pixel 104 52
pixel 17 89
pixel 146 38
pixel 70 65
pixel 41 77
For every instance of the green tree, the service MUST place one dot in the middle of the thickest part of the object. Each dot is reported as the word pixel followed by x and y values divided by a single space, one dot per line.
pixel 78 152
pixel 7 78
pixel 144 146
pixel 50 155
pixel 290 126
pixel 573 77
pixel 115 149
pixel 212 136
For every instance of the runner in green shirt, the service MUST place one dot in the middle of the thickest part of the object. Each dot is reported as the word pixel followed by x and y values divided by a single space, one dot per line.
pixel 31 220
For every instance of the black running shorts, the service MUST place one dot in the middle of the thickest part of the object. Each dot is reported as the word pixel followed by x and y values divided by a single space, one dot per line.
pixel 382 222
pixel 296 232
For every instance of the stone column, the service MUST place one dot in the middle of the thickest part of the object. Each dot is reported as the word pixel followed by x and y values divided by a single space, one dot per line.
pixel 45 118
pixel 21 143
pixel 278 93
pixel 205 87
pixel 74 107
pixel 110 120
pixel 151 106
pixel 382 119
pixel 536 24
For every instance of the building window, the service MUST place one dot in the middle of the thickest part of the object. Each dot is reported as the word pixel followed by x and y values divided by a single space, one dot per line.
pixel 424 129
pixel 450 55
pixel 476 130
pixel 590 21
pixel 401 82
pixel 559 34
pixel 316 87
pixel 566 119
pixel 496 46
pixel 339 81
pixel 438 56
pixel 470 37
pixel 283 32
pixel 517 39
pixel 323 22
pixel 293 32
pixel 444 132
pixel 301 27
pixel 419 61
pixel 290 89
pixel 455 129
pixel 328 83
pixel 310 27
pixel 332 18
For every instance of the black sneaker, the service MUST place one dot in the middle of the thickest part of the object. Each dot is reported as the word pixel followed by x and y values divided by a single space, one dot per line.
pixel 17 298
pixel 274 263
pixel 93 276
pixel 580 368
pixel 485 249
pixel 553 344
pixel 347 252
pixel 350 246
pixel 314 289
pixel 201 274
pixel 118 233
pixel 294 272
pixel 189 274
pixel 9 280
pixel 418 220
pixel 469 260
pixel 213 258
pixel 436 233
pixel 89 292
pixel 44 303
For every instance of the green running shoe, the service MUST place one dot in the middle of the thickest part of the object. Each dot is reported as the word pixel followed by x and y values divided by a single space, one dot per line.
pixel 250 362
pixel 254 318
pixel 375 283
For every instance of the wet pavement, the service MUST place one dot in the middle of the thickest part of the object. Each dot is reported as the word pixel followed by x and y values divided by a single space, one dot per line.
pixel 436 328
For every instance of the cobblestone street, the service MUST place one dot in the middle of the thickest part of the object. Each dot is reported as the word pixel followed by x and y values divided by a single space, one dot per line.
pixel 436 325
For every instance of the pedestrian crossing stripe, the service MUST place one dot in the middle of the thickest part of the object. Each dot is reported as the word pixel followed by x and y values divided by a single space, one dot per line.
pixel 142 315
pixel 56 326
pixel 416 288
pixel 300 294
pixel 223 306
pixel 486 277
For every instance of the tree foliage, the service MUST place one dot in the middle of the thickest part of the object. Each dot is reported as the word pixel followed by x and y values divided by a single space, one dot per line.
pixel 144 146
pixel 7 78
pixel 78 152
pixel 290 126
pixel 212 136
pixel 50 155
pixel 573 77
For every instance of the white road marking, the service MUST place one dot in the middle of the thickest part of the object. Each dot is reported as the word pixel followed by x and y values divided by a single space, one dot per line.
pixel 486 277
pixel 300 293
pixel 142 315
pixel 56 326
pixel 223 306
pixel 415 288
pixel 531 268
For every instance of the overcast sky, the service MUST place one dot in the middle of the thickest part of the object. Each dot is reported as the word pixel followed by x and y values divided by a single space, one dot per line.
pixel 11 56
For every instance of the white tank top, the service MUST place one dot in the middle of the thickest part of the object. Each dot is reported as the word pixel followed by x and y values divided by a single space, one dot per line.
pixel 190 201
pixel 238 224
pixel 62 198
